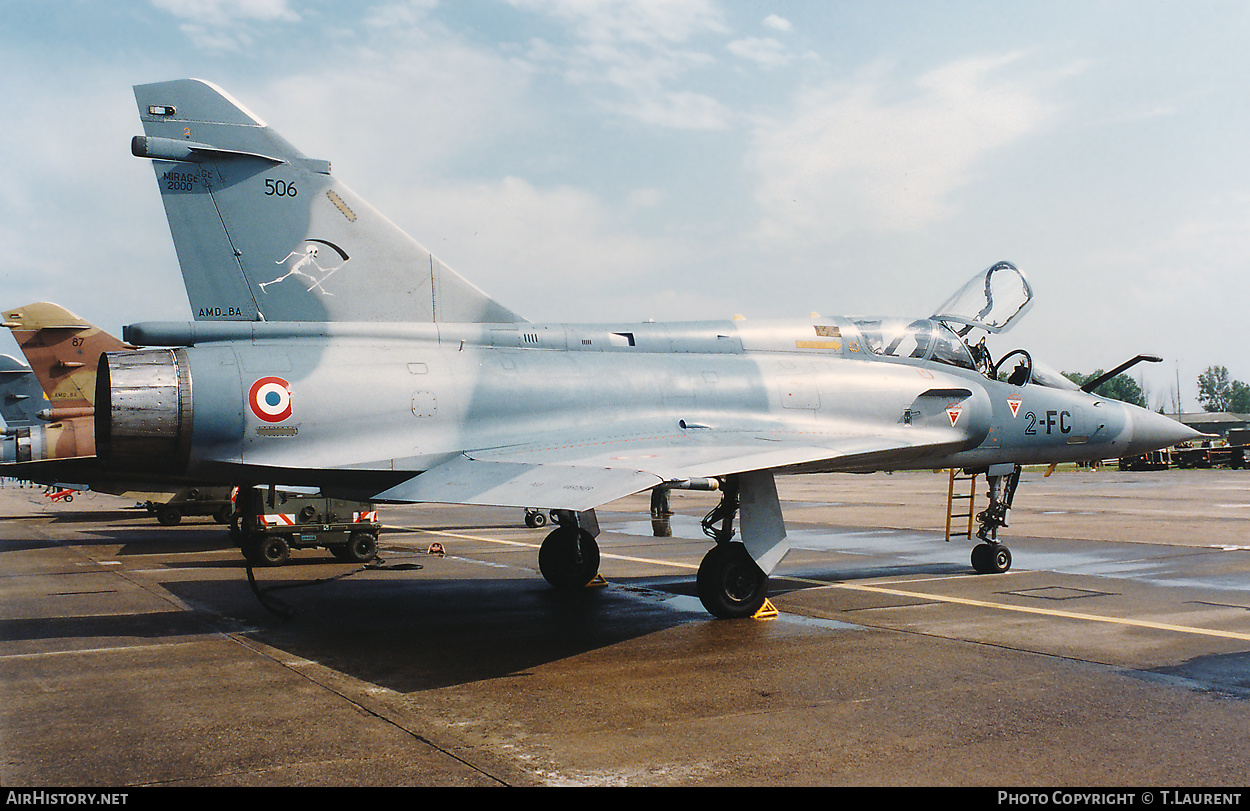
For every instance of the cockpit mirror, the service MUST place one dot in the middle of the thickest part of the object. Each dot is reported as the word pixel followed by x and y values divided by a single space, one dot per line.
pixel 991 300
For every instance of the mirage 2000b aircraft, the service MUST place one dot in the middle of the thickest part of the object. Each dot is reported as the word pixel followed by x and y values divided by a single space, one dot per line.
pixel 330 349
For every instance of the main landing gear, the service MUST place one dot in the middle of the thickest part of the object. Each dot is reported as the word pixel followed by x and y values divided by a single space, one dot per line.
pixel 731 584
pixel 733 577
pixel 990 556
pixel 569 557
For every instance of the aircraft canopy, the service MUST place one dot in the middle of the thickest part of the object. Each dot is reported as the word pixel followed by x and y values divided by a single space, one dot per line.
pixel 991 300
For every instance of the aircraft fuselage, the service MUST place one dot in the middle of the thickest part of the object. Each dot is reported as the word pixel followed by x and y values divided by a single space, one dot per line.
pixel 374 404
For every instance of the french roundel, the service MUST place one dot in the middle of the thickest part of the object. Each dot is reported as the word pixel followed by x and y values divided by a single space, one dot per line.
pixel 270 399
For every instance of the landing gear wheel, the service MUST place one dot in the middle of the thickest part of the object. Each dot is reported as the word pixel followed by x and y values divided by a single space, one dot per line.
pixel 271 551
pixel 569 558
pixel 168 516
pixel 361 547
pixel 991 558
pixel 535 519
pixel 731 585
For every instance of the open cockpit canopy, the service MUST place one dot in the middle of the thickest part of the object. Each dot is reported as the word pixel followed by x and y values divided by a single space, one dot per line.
pixel 991 300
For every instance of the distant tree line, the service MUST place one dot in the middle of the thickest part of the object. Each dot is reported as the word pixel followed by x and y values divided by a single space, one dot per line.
pixel 1216 392
pixel 1121 387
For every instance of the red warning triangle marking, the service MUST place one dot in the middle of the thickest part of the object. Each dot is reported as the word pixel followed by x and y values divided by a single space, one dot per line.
pixel 953 410
pixel 1014 402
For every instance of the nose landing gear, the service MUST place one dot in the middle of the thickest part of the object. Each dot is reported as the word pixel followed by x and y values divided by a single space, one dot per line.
pixel 990 556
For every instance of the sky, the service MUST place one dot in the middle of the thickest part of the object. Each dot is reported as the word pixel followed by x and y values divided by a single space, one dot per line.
pixel 613 160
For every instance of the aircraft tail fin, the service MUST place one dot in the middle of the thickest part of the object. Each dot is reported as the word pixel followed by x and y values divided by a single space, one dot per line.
pixel 264 233
pixel 62 350
pixel 21 398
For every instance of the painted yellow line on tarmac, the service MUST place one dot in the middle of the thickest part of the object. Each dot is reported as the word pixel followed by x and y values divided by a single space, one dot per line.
pixel 1050 612
pixel 923 595
pixel 444 534
pixel 506 542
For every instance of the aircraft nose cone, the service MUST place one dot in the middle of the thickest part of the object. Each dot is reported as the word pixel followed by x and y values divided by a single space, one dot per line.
pixel 1153 431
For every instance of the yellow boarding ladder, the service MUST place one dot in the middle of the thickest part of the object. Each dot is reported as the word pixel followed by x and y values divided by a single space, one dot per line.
pixel 952 497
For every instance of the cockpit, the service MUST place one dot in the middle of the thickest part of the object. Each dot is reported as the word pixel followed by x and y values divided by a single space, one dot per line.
pixel 992 300
pixel 925 339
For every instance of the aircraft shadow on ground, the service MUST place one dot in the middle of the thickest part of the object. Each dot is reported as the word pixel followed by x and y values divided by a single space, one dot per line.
pixel 405 631
pixel 152 625
pixel 155 539
pixel 1226 674
pixel 409 634
pixel 80 517
pixel 133 539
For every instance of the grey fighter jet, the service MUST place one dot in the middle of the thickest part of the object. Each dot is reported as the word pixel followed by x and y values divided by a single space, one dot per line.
pixel 331 350
pixel 21 399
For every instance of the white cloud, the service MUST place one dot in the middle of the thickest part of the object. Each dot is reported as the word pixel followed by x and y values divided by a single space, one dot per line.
pixel 524 244
pixel 677 110
pixel 646 198
pixel 766 51
pixel 869 155
pixel 226 12
pixel 401 14
pixel 777 23
pixel 402 111
pixel 644 22
pixel 99 248
pixel 639 50
pixel 1198 265
pixel 222 25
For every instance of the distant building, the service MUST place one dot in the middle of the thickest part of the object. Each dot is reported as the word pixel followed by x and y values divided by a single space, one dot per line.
pixel 1215 422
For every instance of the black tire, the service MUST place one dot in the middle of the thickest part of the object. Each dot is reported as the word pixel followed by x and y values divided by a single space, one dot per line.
pixel 991 558
pixel 361 547
pixel 569 558
pixel 274 550
pixel 731 585
pixel 1000 559
pixel 539 519
pixel 223 514
pixel 168 516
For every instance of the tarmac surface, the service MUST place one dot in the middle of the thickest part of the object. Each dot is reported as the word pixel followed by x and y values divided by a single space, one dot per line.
pixel 1116 652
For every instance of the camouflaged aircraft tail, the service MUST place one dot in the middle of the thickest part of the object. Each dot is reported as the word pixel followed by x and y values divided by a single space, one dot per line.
pixel 264 233
pixel 62 350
